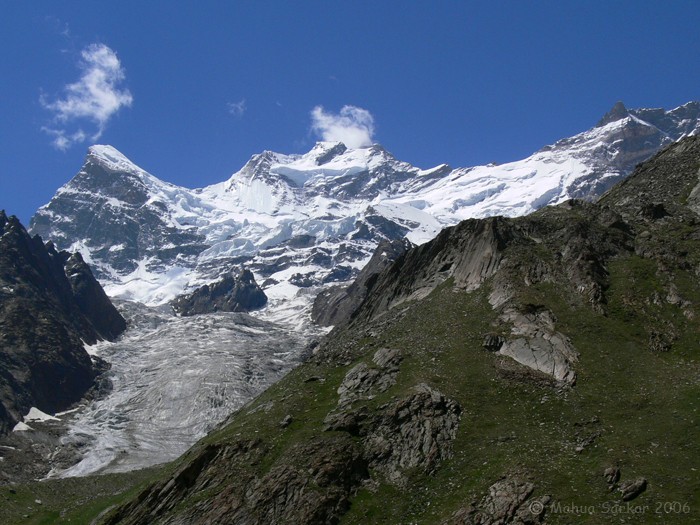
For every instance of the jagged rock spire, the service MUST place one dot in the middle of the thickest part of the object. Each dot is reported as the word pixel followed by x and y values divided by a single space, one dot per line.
pixel 618 112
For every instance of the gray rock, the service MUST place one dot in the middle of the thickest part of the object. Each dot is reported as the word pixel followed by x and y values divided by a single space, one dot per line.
pixel 387 358
pixel 508 502
pixel 611 475
pixel 538 345
pixel 350 421
pixel 363 381
pixel 631 489
pixel 413 432
pixel 469 253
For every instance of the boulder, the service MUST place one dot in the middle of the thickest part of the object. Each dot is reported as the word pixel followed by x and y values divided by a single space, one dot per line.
pixel 631 489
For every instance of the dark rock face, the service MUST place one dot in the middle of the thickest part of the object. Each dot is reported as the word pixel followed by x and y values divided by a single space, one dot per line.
pixel 336 305
pixel 92 299
pixel 239 293
pixel 312 485
pixel 50 304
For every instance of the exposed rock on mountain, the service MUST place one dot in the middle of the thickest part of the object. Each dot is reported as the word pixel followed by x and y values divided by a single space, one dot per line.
pixel 92 300
pixel 118 215
pixel 402 416
pixel 536 344
pixel 336 304
pixel 414 432
pixel 508 502
pixel 364 381
pixel 50 305
pixel 302 222
pixel 234 293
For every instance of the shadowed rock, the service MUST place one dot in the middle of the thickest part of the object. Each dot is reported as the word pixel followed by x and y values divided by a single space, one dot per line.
pixel 50 305
pixel 238 293
pixel 337 304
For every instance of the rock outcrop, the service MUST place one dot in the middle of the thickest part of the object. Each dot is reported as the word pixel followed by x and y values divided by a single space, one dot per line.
pixel 468 253
pixel 509 502
pixel 415 431
pixel 536 344
pixel 335 305
pixel 50 306
pixel 233 293
pixel 567 244
pixel 310 484
pixel 631 489
pixel 364 381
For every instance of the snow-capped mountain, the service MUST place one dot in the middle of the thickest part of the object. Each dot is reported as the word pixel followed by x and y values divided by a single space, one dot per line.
pixel 300 222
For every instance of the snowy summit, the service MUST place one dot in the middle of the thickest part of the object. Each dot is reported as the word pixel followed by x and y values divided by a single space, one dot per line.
pixel 301 222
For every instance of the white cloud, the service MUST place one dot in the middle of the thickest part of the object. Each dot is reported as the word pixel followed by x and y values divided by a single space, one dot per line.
pixel 63 140
pixel 237 108
pixel 353 126
pixel 95 98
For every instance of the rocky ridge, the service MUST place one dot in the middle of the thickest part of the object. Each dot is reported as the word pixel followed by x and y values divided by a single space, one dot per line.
pixel 336 304
pixel 50 307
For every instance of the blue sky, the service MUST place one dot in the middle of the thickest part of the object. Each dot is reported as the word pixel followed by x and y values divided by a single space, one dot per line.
pixel 190 90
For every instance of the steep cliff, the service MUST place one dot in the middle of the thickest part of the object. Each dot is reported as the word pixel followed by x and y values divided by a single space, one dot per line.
pixel 50 306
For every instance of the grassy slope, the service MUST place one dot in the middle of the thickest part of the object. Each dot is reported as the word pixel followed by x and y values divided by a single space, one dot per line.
pixel 642 405
pixel 74 500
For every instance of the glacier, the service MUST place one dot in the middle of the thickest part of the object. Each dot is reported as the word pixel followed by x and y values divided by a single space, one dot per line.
pixel 173 380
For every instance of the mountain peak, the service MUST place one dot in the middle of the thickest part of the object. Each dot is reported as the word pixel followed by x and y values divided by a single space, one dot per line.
pixel 326 151
pixel 617 112
pixel 111 158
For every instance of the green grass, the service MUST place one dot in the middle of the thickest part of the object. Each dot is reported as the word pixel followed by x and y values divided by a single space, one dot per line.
pixel 642 405
pixel 72 500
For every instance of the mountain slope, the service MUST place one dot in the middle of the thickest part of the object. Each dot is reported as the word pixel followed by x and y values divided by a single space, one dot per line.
pixel 542 369
pixel 301 222
pixel 50 306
